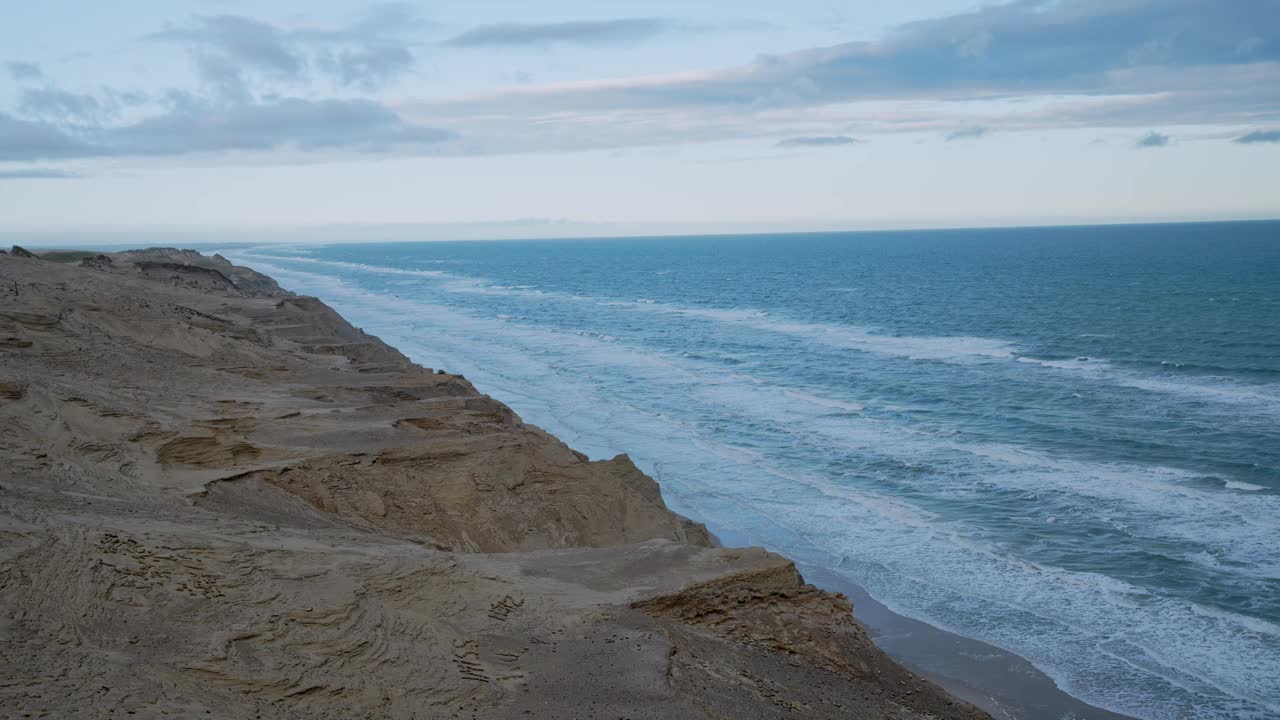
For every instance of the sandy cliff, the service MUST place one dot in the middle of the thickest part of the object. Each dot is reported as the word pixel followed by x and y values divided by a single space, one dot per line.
pixel 218 499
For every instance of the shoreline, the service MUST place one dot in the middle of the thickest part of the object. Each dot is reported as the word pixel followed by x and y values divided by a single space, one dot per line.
pixel 1005 684
pixel 1002 683
pixel 280 516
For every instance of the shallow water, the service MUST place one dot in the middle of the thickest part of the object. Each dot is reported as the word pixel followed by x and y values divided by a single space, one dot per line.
pixel 1062 441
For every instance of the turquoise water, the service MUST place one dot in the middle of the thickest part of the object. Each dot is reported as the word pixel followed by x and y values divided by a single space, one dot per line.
pixel 1062 441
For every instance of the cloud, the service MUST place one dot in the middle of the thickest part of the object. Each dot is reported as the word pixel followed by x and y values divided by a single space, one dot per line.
pixel 127 98
pixel 243 42
pixel 1152 140
pixel 38 174
pixel 1259 136
pixel 23 71
pixel 819 141
pixel 377 23
pixel 61 106
pixel 240 104
pixel 77 110
pixel 194 125
pixel 284 124
pixel 22 140
pixel 1016 66
pixel 1022 48
pixel 368 68
pixel 232 52
pixel 1020 65
pixel 969 133
pixel 579 32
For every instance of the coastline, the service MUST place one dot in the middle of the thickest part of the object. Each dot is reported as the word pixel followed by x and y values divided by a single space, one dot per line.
pixel 1000 682
pixel 223 500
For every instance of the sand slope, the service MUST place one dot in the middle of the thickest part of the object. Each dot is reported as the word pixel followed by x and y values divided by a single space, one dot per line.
pixel 218 499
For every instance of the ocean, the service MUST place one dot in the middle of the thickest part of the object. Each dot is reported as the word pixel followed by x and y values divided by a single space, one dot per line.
pixel 1062 441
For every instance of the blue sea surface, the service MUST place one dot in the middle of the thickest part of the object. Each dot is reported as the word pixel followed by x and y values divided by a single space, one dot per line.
pixel 1062 441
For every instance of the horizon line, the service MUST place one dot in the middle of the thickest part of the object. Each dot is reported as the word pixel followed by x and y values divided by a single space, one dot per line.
pixel 9 237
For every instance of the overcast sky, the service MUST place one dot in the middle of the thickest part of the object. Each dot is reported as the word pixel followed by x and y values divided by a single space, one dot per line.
pixel 491 117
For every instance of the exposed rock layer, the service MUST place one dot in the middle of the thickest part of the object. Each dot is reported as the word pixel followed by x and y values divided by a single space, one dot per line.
pixel 218 499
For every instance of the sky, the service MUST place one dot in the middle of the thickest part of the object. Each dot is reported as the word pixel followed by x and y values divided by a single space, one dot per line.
pixel 505 118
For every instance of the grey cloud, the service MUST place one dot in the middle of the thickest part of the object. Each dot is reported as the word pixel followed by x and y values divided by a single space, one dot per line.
pixel 23 140
pixel 62 106
pixel 1259 136
pixel 22 71
pixel 1152 140
pixel 239 105
pixel 241 40
pixel 1131 64
pixel 222 77
pixel 127 98
pixel 1025 47
pixel 38 174
pixel 1070 45
pixel 378 23
pixel 819 141
pixel 289 123
pixel 972 133
pixel 1108 63
pixel 193 125
pixel 231 50
pixel 578 32
pixel 367 68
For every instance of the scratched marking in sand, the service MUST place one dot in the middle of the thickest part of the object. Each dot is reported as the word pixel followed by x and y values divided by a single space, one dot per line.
pixel 466 655
pixel 502 609
pixel 511 665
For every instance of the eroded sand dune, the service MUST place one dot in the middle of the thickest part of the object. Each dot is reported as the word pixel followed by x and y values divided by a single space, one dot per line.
pixel 218 499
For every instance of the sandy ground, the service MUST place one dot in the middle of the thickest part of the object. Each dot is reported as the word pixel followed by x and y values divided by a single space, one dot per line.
pixel 221 500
